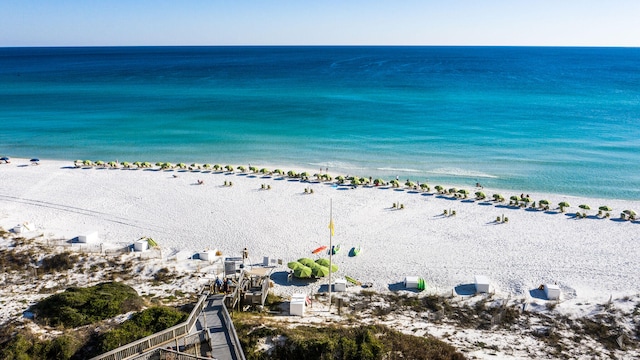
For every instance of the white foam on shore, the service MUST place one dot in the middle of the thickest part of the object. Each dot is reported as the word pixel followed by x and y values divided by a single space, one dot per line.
pixel 588 258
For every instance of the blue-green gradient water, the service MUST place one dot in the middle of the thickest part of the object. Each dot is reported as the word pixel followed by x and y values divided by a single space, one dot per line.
pixel 554 120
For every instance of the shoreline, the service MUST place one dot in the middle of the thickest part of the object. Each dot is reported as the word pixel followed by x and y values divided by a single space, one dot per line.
pixel 586 257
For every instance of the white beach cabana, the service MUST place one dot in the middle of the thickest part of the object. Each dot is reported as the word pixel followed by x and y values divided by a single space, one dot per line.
pixel 481 283
pixel 552 291
pixel 297 304
pixel 208 255
pixel 340 285
pixel 141 245
pixel 87 238
pixel 411 282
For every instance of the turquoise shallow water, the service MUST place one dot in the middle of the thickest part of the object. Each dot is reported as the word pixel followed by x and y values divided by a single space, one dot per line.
pixel 555 120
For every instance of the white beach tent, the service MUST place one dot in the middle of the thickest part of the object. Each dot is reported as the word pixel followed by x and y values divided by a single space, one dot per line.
pixel 411 282
pixel 208 255
pixel 340 285
pixel 91 237
pixel 141 245
pixel 552 291
pixel 482 284
pixel 297 304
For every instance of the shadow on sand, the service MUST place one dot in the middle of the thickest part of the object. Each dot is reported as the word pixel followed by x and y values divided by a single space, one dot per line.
pixel 465 289
pixel 538 294
pixel 282 278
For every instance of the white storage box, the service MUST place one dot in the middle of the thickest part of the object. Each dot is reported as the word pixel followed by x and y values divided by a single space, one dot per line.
pixel 208 255
pixel 141 245
pixel 88 238
pixel 411 282
pixel 552 291
pixel 340 285
pixel 297 304
pixel 482 284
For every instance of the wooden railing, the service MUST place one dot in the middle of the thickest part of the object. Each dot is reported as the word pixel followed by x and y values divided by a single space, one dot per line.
pixel 157 339
pixel 231 330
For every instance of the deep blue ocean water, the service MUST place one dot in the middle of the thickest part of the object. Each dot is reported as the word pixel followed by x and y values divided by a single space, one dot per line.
pixel 552 120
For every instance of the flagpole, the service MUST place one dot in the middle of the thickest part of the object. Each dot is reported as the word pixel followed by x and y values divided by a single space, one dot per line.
pixel 330 246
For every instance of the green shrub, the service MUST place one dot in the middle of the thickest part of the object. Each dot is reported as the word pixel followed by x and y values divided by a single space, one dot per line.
pixel 59 262
pixel 81 306
pixel 141 324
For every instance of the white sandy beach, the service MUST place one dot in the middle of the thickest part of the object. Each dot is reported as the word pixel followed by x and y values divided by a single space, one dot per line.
pixel 588 258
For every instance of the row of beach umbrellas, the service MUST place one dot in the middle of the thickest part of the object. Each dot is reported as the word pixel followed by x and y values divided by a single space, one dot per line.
pixel 7 160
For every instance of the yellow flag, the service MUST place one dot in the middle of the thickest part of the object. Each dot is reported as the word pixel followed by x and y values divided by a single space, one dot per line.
pixel 332 227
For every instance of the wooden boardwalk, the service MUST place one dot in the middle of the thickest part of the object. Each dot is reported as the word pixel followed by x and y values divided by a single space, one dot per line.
pixel 215 319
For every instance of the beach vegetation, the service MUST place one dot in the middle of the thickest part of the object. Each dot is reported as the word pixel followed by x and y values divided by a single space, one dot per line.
pixel 337 342
pixel 59 262
pixel 141 324
pixel 81 306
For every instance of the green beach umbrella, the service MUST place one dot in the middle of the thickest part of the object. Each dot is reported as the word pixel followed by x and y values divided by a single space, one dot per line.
pixel 292 173
pixel 294 265
pixel 498 197
pixel 355 181
pixel 340 179
pixel 453 191
pixel 480 195
pixel 253 169
pixel 138 164
pixel 409 184
pixel 302 272
pixel 304 175
pixel 229 168
pixel 206 166
pixel 605 208
pixel 87 163
pixel 182 165
pixel 146 164
pixel 319 271
pixel 112 164
pixel 159 164
pixel 323 261
pixel 463 192
pixel 515 198
pixel 584 207
pixel 194 166
pixel 395 183
pixel 526 199
pixel 217 167
pixel 278 171
pixel 242 168
pixel 264 171
pixel 425 187
pixel 630 212
pixel 126 164
pixel 100 163
pixel 438 188
pixel 166 166
pixel 306 261
pixel 563 205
